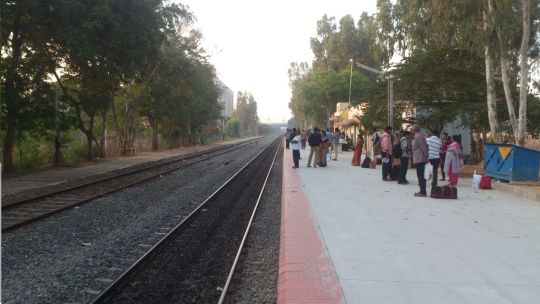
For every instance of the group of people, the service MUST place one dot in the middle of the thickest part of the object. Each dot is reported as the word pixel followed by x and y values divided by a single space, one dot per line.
pixel 323 145
pixel 397 151
pixel 436 149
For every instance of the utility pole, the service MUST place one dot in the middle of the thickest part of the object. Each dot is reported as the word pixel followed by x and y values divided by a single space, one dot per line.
pixel 57 142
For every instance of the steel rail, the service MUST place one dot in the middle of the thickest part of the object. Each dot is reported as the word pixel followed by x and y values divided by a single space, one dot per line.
pixel 110 291
pixel 66 205
pixel 246 233
pixel 129 172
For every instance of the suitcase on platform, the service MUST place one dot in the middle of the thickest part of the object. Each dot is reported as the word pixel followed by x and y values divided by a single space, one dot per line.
pixel 394 172
pixel 444 192
pixel 365 163
pixel 485 182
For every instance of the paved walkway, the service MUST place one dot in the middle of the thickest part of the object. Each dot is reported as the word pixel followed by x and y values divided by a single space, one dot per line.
pixel 383 245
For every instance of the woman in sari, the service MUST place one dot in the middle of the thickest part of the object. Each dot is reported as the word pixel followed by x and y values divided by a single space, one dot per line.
pixel 357 156
pixel 323 150
pixel 454 161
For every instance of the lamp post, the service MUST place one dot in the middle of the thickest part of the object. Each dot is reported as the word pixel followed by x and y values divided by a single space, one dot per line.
pixel 350 82
pixel 390 79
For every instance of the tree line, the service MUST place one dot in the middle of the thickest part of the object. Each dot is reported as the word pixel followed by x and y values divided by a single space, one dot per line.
pixel 468 58
pixel 245 120
pixel 102 65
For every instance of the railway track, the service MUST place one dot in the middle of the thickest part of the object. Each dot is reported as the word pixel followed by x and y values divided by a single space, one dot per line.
pixel 195 261
pixel 23 212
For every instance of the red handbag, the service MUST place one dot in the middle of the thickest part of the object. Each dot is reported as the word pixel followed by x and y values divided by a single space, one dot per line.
pixel 485 182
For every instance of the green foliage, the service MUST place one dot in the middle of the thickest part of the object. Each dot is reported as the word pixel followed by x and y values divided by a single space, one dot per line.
pixel 334 47
pixel 128 58
pixel 233 127
pixel 445 82
pixel 316 89
pixel 316 94
pixel 246 113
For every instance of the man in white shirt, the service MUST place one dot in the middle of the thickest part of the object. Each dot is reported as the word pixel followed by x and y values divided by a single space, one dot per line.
pixel 296 145
pixel 434 144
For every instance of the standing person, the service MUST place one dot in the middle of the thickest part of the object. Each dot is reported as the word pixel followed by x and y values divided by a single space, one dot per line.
pixel 303 137
pixel 287 138
pixel 357 156
pixel 420 158
pixel 454 161
pixel 479 149
pixel 386 146
pixel 444 147
pixel 405 155
pixel 323 149
pixel 375 144
pixel 295 145
pixel 335 142
pixel 314 141
pixel 434 144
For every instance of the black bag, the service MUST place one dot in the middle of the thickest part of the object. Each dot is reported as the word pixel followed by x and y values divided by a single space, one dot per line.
pixel 444 192
pixel 394 172
pixel 396 151
pixel 365 163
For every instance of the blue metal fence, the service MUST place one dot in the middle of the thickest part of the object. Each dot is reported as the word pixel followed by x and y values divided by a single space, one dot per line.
pixel 511 162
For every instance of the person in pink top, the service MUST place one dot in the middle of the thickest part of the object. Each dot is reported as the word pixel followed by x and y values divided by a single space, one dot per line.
pixel 446 141
pixel 454 161
pixel 386 147
pixel 420 158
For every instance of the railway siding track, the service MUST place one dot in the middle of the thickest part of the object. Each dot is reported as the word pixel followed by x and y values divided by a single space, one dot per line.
pixel 192 262
pixel 22 212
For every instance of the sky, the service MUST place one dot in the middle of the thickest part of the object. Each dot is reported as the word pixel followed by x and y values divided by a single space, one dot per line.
pixel 252 43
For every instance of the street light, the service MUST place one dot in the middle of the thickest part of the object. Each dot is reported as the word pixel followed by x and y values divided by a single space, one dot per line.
pixel 390 79
pixel 350 82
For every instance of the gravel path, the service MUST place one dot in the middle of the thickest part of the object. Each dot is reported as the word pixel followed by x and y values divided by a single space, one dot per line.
pixel 256 277
pixel 71 257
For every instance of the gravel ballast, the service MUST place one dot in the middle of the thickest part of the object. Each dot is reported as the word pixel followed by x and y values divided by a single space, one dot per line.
pixel 256 277
pixel 71 257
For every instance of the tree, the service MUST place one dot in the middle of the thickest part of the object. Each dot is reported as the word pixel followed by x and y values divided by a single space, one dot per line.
pixel 101 43
pixel 23 70
pixel 446 80
pixel 181 97
pixel 423 23
pixel 246 112
pixel 233 127
pixel 316 89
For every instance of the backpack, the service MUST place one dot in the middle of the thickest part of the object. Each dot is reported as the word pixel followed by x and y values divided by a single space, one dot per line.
pixel 396 150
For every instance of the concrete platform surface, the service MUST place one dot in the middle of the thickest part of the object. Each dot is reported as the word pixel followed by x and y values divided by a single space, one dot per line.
pixel 387 246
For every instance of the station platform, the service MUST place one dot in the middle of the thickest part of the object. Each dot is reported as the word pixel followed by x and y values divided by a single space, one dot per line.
pixel 349 237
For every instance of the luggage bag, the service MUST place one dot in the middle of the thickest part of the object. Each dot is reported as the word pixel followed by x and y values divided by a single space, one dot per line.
pixel 444 192
pixel 394 172
pixel 485 182
pixel 365 163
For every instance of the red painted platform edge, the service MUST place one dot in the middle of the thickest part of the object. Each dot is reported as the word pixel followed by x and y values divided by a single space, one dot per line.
pixel 306 272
